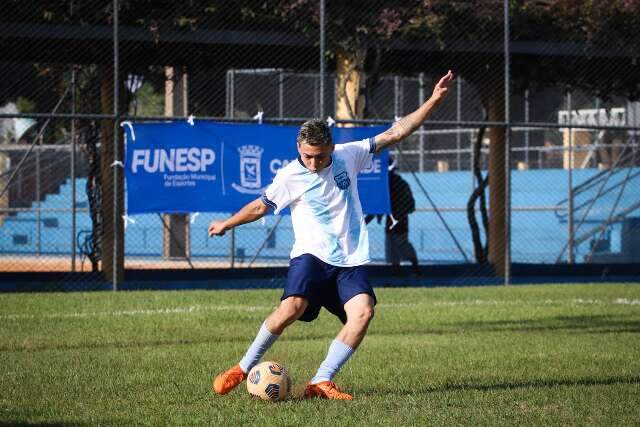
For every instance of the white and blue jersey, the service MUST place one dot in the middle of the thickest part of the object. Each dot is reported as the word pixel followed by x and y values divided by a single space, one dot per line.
pixel 325 208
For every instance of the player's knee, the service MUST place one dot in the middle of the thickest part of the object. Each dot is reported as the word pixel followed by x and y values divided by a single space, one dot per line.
pixel 362 316
pixel 292 308
pixel 368 313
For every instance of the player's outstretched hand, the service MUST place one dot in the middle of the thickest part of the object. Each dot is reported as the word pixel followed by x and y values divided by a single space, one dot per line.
pixel 216 228
pixel 442 88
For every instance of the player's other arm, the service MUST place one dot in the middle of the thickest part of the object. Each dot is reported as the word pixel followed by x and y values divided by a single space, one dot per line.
pixel 408 124
pixel 252 211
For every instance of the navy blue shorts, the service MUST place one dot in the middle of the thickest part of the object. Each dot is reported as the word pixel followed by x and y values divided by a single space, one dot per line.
pixel 325 285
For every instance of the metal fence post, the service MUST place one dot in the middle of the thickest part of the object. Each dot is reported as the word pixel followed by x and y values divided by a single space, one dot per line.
pixel 526 132
pixel 231 113
pixel 73 170
pixel 232 255
pixel 570 226
pixel 116 151
pixel 421 132
pixel 38 199
pixel 280 94
pixel 507 119
pixel 595 140
pixel 231 74
pixel 229 94
pixel 322 59
pixel 396 110
pixel 458 119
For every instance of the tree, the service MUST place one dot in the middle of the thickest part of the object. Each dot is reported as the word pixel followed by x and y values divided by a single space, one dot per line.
pixel 156 17
pixel 357 34
pixel 573 44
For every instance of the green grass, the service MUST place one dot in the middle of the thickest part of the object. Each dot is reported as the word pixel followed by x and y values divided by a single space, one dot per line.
pixel 532 355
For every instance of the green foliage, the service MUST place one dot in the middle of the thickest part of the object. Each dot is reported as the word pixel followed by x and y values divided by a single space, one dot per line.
pixel 584 44
pixel 522 355
pixel 149 102
pixel 585 40
pixel 25 105
pixel 352 25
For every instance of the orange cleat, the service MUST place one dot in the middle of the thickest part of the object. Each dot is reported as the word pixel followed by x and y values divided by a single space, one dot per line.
pixel 326 390
pixel 228 380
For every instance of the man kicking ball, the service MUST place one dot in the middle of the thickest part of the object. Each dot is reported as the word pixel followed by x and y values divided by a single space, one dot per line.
pixel 331 247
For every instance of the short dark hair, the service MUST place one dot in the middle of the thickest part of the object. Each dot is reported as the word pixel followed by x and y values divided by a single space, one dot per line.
pixel 314 132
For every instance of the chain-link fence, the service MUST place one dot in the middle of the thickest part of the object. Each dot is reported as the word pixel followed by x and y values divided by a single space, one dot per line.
pixel 545 172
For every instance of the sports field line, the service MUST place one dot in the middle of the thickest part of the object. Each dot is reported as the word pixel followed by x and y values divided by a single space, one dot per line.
pixel 197 308
pixel 174 310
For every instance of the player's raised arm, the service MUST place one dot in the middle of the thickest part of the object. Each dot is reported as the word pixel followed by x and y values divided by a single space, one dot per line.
pixel 252 211
pixel 408 124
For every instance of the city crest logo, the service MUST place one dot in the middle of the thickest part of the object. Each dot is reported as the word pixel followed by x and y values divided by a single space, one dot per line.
pixel 250 170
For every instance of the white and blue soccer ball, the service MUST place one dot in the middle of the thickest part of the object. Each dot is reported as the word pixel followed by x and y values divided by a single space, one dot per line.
pixel 269 381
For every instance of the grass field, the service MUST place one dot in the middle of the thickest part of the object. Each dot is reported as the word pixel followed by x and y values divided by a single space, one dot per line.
pixel 526 355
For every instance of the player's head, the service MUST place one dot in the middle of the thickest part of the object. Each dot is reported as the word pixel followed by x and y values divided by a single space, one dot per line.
pixel 314 132
pixel 315 145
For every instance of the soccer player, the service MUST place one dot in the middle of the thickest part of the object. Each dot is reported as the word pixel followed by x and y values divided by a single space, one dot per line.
pixel 331 246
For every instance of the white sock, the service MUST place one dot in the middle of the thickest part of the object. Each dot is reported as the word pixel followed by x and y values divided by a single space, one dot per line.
pixel 337 356
pixel 258 348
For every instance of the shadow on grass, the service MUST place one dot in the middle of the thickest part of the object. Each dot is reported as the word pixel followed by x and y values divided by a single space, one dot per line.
pixel 600 324
pixel 534 384
pixel 595 323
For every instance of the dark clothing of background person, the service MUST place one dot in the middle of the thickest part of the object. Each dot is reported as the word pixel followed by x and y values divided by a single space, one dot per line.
pixel 397 245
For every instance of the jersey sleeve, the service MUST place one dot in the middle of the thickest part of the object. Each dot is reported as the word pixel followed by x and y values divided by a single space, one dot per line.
pixel 277 196
pixel 361 151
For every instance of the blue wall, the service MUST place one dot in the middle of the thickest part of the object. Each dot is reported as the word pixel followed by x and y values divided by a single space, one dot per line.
pixel 539 230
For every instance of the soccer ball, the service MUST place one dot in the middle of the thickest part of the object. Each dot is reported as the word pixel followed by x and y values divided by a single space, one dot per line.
pixel 269 381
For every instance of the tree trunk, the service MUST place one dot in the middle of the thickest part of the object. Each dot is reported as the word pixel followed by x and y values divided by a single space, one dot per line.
pixel 497 187
pixel 479 250
pixel 175 234
pixel 350 81
pixel 107 157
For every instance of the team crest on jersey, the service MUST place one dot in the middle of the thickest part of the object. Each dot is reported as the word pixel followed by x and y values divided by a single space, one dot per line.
pixel 342 180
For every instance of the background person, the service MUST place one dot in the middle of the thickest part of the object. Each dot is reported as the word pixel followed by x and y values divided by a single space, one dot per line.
pixel 397 247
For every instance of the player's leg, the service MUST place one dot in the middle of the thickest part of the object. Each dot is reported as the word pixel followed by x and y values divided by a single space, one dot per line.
pixel 289 310
pixel 294 304
pixel 332 303
pixel 354 288
pixel 359 311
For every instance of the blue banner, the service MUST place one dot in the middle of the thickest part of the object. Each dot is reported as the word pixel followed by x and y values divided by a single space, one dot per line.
pixel 176 167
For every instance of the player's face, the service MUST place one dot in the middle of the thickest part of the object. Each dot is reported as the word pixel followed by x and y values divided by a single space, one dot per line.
pixel 315 157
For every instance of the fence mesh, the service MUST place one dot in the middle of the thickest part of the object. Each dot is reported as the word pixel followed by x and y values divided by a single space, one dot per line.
pixel 553 180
